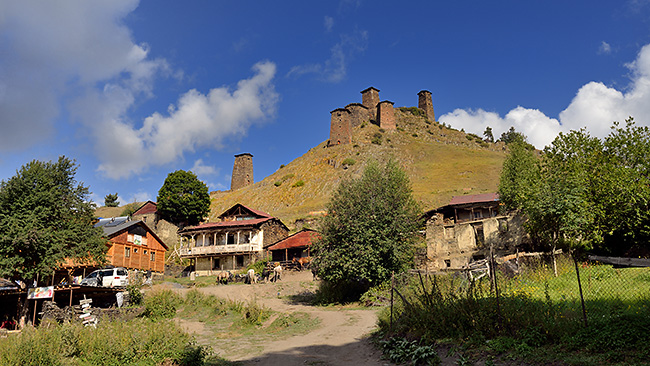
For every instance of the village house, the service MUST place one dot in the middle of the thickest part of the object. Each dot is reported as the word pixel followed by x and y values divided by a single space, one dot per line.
pixel 467 228
pixel 133 245
pixel 297 245
pixel 235 241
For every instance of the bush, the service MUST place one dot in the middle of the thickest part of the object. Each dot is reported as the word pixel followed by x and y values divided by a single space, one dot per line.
pixel 161 304
pixel 376 138
pixel 135 295
pixel 401 350
pixel 299 183
pixel 349 161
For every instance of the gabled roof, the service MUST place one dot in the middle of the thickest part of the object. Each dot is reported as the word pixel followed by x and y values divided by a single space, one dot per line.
pixel 259 214
pixel 146 208
pixel 113 230
pixel 302 238
pixel 474 198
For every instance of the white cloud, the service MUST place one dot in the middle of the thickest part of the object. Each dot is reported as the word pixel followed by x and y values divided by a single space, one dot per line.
pixel 197 120
pixel 334 69
pixel 605 48
pixel 594 107
pixel 80 55
pixel 200 168
pixel 328 23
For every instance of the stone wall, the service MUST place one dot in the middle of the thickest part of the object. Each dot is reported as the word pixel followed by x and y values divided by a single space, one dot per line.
pixel 425 103
pixel 242 171
pixel 386 116
pixel 455 246
pixel 273 231
pixel 340 127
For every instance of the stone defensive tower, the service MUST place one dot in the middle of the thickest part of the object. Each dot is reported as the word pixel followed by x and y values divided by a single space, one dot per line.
pixel 242 171
pixel 340 127
pixel 426 104
pixel 386 115
pixel 370 99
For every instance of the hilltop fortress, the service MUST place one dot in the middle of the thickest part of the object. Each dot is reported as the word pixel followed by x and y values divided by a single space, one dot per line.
pixel 370 109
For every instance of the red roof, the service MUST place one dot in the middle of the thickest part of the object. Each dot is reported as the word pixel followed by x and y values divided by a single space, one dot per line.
pixel 303 238
pixel 147 208
pixel 474 198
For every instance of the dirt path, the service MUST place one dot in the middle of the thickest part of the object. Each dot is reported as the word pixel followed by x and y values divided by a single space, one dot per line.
pixel 340 339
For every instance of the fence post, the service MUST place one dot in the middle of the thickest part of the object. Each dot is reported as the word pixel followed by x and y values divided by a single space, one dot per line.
pixel 392 287
pixel 582 299
pixel 496 288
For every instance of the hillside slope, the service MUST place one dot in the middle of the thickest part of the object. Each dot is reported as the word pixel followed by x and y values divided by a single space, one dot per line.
pixel 441 162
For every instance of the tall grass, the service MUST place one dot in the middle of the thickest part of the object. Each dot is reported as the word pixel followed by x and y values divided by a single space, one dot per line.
pixel 138 342
pixel 535 309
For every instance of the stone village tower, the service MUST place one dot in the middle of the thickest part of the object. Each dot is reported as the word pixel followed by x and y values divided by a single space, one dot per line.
pixel 242 171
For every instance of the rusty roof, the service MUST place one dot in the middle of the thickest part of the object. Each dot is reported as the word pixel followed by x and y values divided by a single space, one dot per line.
pixel 474 198
pixel 300 239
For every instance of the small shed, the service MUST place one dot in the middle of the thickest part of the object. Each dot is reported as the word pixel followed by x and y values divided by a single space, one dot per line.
pixel 294 246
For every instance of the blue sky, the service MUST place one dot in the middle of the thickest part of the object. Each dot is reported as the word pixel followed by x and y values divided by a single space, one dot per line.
pixel 134 90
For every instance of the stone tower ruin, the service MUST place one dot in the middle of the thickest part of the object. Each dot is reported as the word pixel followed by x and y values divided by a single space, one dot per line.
pixel 340 127
pixel 386 115
pixel 426 104
pixel 370 99
pixel 242 171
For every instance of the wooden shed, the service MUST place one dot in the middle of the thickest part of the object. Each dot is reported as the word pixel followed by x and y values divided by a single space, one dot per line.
pixel 294 246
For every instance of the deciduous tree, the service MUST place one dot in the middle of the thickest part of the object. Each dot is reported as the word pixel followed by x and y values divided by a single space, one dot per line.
pixel 45 218
pixel 369 231
pixel 183 199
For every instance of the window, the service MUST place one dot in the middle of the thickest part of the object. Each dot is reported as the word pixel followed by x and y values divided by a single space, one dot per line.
pixel 153 256
pixel 240 261
pixel 447 263
pixel 135 250
pixel 127 252
pixel 231 238
pixel 477 215
pixel 216 263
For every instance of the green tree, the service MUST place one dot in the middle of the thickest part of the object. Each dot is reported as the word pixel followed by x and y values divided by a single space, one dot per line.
pixel 369 231
pixel 489 137
pixel 183 198
pixel 519 176
pixel 46 218
pixel 110 200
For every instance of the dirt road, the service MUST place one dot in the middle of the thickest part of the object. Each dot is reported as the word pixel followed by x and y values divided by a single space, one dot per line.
pixel 339 339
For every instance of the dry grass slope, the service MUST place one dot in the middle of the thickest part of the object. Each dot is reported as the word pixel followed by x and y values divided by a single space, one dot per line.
pixel 440 161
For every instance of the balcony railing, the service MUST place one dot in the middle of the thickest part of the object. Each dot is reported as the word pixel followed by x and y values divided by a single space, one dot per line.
pixel 220 249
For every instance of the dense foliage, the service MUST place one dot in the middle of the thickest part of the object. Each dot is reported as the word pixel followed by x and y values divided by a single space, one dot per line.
pixel 110 200
pixel 584 192
pixel 46 218
pixel 183 198
pixel 369 231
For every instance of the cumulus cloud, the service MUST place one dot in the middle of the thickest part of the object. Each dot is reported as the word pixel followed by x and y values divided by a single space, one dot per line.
pixel 197 120
pixel 200 168
pixel 81 56
pixel 334 69
pixel 594 107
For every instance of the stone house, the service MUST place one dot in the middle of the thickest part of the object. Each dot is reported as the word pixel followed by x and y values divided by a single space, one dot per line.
pixel 467 228
pixel 167 231
pixel 232 243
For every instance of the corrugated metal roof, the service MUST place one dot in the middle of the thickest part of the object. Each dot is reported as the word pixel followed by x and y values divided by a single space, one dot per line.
pixel 300 239
pixel 474 198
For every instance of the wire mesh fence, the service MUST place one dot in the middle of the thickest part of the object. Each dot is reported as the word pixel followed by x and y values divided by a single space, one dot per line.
pixel 518 291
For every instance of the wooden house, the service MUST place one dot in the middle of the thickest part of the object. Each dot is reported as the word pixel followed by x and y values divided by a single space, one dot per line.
pixel 233 242
pixel 133 245
pixel 294 246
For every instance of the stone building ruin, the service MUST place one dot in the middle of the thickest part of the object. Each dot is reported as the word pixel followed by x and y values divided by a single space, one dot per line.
pixel 373 110
pixel 242 171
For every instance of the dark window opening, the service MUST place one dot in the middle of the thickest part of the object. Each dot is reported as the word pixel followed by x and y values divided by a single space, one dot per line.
pixel 231 238
pixel 240 261
pixel 447 263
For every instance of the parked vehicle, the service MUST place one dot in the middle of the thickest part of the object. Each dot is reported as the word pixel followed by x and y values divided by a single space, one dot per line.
pixel 108 277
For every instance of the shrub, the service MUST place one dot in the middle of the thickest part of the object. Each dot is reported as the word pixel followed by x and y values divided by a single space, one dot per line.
pixel 161 304
pixel 415 135
pixel 349 161
pixel 401 350
pixel 376 139
pixel 299 183
pixel 135 295
pixel 277 183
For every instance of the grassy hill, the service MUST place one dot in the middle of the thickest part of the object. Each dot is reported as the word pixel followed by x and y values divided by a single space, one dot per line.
pixel 441 162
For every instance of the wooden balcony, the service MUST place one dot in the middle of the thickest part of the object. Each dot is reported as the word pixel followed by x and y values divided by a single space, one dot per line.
pixel 220 249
